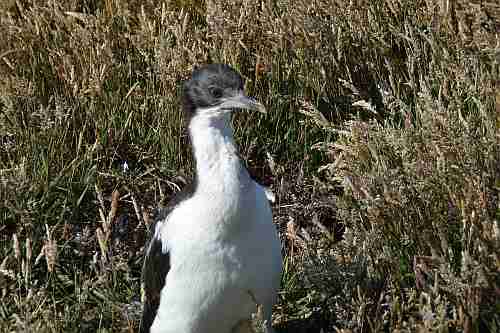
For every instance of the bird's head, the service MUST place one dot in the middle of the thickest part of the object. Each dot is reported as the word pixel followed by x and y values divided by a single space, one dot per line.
pixel 215 90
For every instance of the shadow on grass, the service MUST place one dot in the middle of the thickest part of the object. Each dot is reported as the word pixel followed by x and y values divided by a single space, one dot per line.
pixel 314 323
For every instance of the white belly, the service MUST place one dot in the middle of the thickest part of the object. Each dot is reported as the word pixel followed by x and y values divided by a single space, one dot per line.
pixel 218 271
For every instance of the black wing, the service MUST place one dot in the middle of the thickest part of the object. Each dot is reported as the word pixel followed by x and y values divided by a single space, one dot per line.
pixel 156 263
pixel 154 271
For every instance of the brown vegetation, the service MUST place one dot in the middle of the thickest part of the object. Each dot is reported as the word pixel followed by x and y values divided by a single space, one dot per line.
pixel 381 145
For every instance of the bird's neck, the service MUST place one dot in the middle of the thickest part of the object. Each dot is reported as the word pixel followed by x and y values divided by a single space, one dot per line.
pixel 218 165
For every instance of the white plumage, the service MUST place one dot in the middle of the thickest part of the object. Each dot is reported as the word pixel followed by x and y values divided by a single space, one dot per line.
pixel 220 243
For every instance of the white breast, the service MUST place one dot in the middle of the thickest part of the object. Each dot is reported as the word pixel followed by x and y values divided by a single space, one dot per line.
pixel 220 262
pixel 223 246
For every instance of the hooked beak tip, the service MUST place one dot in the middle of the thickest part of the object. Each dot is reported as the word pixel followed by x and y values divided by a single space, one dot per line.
pixel 245 102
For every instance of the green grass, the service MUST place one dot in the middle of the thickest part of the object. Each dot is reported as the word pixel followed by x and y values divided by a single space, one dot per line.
pixel 381 145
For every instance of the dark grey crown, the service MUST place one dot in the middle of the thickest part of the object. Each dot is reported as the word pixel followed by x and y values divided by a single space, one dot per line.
pixel 209 85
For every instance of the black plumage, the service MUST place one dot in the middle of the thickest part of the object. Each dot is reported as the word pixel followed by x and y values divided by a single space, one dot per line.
pixel 156 263
pixel 208 86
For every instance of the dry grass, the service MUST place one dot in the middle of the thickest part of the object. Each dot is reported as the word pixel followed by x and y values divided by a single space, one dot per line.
pixel 382 147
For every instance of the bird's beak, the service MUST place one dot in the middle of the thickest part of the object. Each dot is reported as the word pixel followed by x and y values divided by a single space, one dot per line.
pixel 242 101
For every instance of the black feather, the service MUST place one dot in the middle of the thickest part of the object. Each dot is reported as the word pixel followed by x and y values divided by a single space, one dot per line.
pixel 208 85
pixel 154 271
pixel 156 263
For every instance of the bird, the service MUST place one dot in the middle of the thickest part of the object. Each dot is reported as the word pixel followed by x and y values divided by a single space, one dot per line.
pixel 214 253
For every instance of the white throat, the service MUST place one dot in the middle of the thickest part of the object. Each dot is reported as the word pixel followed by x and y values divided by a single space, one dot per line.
pixel 218 167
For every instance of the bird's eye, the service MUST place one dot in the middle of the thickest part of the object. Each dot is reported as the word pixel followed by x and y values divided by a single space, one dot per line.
pixel 216 92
